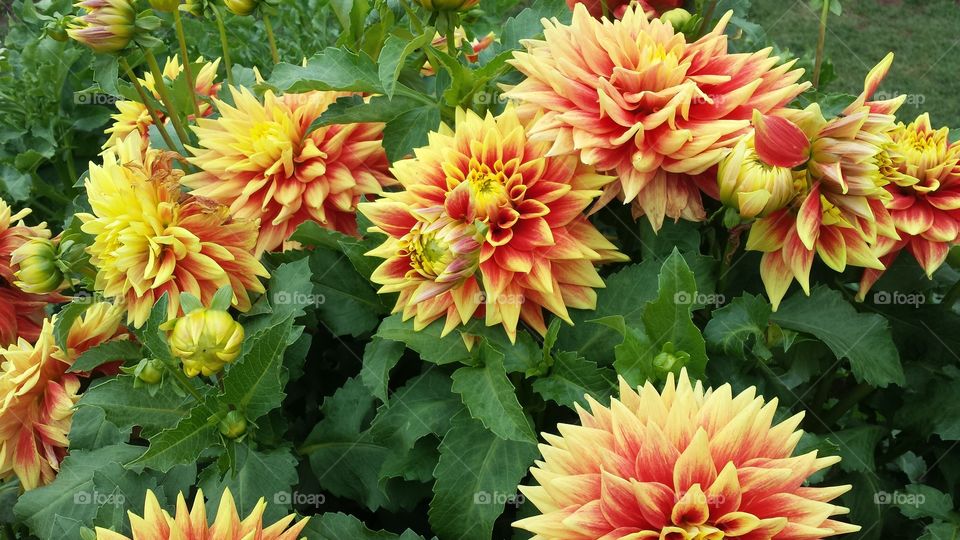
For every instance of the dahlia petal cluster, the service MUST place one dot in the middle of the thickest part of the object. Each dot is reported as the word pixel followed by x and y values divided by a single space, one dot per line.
pixel 21 313
pixel 192 522
pixel 633 97
pixel 37 395
pixel 489 224
pixel 134 116
pixel 263 160
pixel 925 185
pixel 685 463
pixel 616 8
pixel 151 239
pixel 837 211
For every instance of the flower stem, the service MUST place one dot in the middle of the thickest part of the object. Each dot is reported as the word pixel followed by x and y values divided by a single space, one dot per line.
pixel 187 69
pixel 707 17
pixel 146 103
pixel 821 41
pixel 161 86
pixel 847 402
pixel 183 381
pixel 271 38
pixel 224 44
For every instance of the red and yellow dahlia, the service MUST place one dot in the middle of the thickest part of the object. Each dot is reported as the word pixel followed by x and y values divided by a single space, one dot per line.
pixel 633 97
pixel 157 523
pixel 134 116
pixel 489 224
pixel 21 313
pixel 150 239
pixel 37 395
pixel 838 167
pixel 264 162
pixel 685 463
pixel 924 169
pixel 616 8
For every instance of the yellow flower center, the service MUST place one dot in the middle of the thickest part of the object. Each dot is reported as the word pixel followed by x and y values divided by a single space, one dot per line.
pixel 488 188
pixel 266 137
pixel 429 256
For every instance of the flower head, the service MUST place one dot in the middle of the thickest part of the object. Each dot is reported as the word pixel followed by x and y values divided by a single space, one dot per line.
pixel 192 523
pixel 751 186
pixel 107 26
pixel 205 340
pixel 633 97
pixel 134 116
pixel 838 209
pixel 616 8
pixel 36 263
pixel 241 7
pixel 489 224
pixel 264 162
pixel 682 463
pixel 37 395
pixel 924 172
pixel 150 239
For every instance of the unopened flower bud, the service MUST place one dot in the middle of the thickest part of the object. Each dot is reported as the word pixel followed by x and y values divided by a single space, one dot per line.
pixel 150 371
pixel 108 25
pixel 205 340
pixel 241 7
pixel 677 18
pixel 37 271
pixel 233 425
pixel 752 186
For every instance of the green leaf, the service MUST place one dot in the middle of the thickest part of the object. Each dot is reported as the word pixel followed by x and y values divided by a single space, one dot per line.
pixel 355 109
pixel 111 351
pixel 89 429
pixel 427 342
pixel 290 289
pixel 338 526
pixel 864 339
pixel 735 326
pixel 491 398
pixel 477 473
pixel 393 54
pixel 527 25
pixel 258 474
pixel 423 406
pixel 253 385
pixel 857 447
pixel 409 130
pixel 330 69
pixel 922 501
pixel 346 302
pixel 572 377
pixel 184 442
pixel 150 334
pixel 669 318
pixel 126 406
pixel 379 357
pixel 222 298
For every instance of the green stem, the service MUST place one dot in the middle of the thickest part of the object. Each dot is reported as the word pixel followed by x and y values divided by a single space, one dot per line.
pixel 951 297
pixel 452 48
pixel 224 44
pixel 271 38
pixel 821 41
pixel 187 68
pixel 707 17
pixel 183 381
pixel 847 402
pixel 146 103
pixel 161 86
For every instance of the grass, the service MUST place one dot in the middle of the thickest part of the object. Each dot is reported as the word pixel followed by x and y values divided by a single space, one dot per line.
pixel 924 34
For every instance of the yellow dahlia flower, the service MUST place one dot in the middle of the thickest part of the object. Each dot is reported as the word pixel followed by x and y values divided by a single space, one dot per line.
pixel 633 97
pixel 157 523
pixel 838 212
pixel 489 224
pixel 107 26
pixel 262 160
pixel 685 463
pixel 924 169
pixel 134 116
pixel 150 239
pixel 37 395
pixel 206 340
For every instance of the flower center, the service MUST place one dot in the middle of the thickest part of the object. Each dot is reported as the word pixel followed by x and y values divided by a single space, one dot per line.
pixel 266 136
pixel 488 188
pixel 429 255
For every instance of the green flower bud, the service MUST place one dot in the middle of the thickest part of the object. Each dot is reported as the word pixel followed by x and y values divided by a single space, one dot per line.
pixel 233 425
pixel 38 272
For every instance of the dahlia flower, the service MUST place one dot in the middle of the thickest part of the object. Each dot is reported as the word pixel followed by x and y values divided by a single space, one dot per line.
pixel 684 463
pixel 150 239
pixel 107 26
pixel 633 97
pixel 490 225
pixel 134 116
pixel 263 161
pixel 157 523
pixel 37 395
pixel 616 8
pixel 21 313
pixel 838 209
pixel 205 340
pixel 924 169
